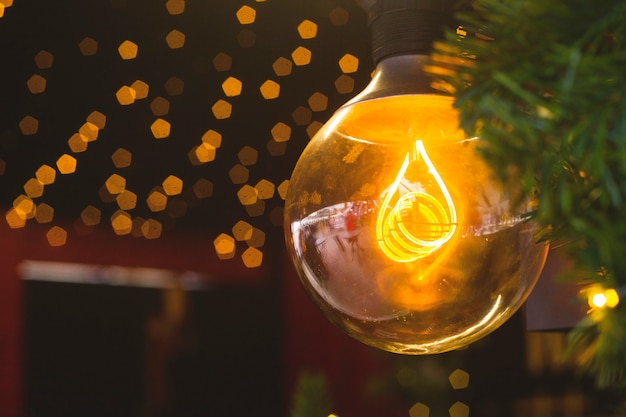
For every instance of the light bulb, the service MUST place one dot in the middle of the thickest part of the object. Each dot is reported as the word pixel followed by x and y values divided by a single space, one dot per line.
pixel 395 225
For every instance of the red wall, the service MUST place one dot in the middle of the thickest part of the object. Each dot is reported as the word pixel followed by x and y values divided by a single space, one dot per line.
pixel 179 252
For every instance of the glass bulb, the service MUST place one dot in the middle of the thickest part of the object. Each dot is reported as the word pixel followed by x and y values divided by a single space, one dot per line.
pixel 397 230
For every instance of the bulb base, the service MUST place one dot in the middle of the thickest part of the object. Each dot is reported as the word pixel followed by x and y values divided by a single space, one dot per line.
pixel 408 26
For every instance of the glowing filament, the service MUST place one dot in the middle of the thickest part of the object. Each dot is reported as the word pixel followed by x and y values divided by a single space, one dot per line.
pixel 418 223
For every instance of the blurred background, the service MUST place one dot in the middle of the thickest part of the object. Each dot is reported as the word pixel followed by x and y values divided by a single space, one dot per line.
pixel 144 152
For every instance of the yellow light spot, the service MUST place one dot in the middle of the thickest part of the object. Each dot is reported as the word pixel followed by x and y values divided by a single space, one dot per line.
pixel 459 409
pixel 222 109
pixel 257 238
pixel 29 125
pixel 157 200
pixel 270 89
pixel 121 158
pixel 281 132
pixel 175 39
pixel 151 229
pixel 14 219
pixel 598 300
pixel 349 64
pixel 282 66
pixel 232 87
pixel 115 184
pixel 89 131
pixel 66 164
pixel 203 188
pixel 36 84
pixel 612 298
pixel 90 216
pixel 172 185
pixel 238 174
pixel 344 84
pixel 121 222
pixel 175 7
pixel 419 410
pixel 222 62
pixel 248 155
pixel 265 189
pixel 44 213
pixel 242 230
pixel 126 200
pixel 213 138
pixel 126 95
pixel 252 258
pixel 46 174
pixel 141 89
pixel 128 50
pixel 307 29
pixel 88 46
pixel 312 128
pixel 2 7
pixel 24 206
pixel 318 102
pixel 160 128
pixel 160 106
pixel 33 188
pixel 44 59
pixel 77 143
pixel 301 56
pixel 247 195
pixel 224 246
pixel 56 236
pixel 98 119
pixel 246 15
pixel 282 189
pixel 204 153
pixel 459 379
pixel 301 116
pixel 174 86
pixel 598 297
pixel 339 17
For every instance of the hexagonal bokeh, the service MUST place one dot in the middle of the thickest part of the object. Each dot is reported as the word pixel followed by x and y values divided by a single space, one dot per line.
pixel 219 144
pixel 128 50
pixel 44 59
pixel 459 409
pixel 307 29
pixel 419 410
pixel 459 379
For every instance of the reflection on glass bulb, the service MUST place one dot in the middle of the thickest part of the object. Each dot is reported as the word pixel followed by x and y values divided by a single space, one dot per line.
pixel 398 233
pixel 418 223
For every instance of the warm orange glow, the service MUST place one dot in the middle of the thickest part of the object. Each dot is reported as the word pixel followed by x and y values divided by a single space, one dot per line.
pixel 418 223
pixel 399 232
pixel 599 297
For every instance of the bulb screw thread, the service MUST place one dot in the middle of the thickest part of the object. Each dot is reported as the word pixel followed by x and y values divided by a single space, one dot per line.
pixel 408 26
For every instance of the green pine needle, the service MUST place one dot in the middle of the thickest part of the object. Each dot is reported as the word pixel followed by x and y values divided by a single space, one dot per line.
pixel 546 91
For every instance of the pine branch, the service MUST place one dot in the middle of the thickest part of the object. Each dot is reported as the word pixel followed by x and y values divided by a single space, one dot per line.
pixel 543 84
